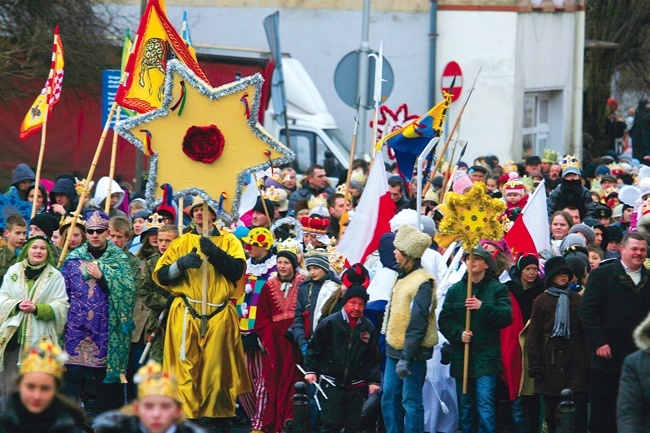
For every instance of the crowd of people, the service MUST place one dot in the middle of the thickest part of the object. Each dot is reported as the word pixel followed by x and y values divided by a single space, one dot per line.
pixel 198 323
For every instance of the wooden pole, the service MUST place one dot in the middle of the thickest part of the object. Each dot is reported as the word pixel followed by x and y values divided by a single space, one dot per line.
pixel 180 215
pixel 111 171
pixel 204 292
pixel 353 145
pixel 468 319
pixel 39 164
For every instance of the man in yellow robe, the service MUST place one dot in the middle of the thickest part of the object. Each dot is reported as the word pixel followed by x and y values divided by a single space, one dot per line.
pixel 211 370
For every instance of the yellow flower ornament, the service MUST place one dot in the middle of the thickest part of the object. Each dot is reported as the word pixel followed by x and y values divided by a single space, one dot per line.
pixel 473 216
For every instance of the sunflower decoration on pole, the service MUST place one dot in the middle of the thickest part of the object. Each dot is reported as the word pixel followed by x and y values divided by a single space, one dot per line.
pixel 473 216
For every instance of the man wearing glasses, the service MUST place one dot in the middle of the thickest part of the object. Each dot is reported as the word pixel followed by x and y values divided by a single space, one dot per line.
pixel 101 291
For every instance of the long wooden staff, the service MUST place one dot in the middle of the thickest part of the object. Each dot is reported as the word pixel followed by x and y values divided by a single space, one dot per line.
pixel 453 130
pixel 180 214
pixel 39 165
pixel 91 172
pixel 468 319
pixel 111 171
pixel 204 291
pixel 352 147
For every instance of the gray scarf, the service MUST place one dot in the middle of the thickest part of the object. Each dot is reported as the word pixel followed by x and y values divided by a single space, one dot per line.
pixel 562 326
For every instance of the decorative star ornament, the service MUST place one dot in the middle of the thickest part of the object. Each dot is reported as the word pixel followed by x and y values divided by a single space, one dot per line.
pixel 204 140
pixel 474 216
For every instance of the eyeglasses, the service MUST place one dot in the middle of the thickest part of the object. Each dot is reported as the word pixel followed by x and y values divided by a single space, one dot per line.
pixel 93 231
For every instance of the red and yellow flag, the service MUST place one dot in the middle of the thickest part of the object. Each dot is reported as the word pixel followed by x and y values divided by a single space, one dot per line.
pixel 143 88
pixel 50 94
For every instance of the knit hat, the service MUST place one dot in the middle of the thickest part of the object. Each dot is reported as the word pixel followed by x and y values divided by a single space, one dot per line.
pixel 289 249
pixel 501 245
pixel 96 220
pixel 585 230
pixel 241 232
pixel 144 214
pixel 260 237
pixel 22 172
pixel 573 239
pixel 437 182
pixel 602 170
pixel 411 241
pixel 485 255
pixel 570 164
pixel 355 291
pixel 357 274
pixel 618 211
pixel 578 262
pixel 615 233
pixel 478 168
pixel 526 259
pixel 45 222
pixel 533 160
pixel 461 182
pixel 319 259
pixel 515 185
pixel 555 266
pixel 428 226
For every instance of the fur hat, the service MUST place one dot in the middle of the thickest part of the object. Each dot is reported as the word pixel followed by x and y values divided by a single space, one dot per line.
pixel 584 230
pixel 355 291
pixel 555 266
pixel 356 275
pixel 411 241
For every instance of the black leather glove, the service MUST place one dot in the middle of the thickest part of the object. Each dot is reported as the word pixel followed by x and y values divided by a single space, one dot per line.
pixel 190 260
pixel 209 248
pixel 536 373
pixel 402 368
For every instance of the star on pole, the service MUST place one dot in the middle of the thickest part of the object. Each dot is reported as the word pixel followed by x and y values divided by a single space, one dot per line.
pixel 204 140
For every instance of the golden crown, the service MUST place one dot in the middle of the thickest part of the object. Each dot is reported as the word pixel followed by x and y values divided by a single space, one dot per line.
pixel 97 219
pixel 336 259
pixel 359 176
pixel 290 245
pixel 67 220
pixel 341 189
pixel 509 166
pixel 570 161
pixel 549 156
pixel 154 222
pixel 272 193
pixel 319 200
pixel 615 169
pixel 79 186
pixel 152 381
pixel 45 357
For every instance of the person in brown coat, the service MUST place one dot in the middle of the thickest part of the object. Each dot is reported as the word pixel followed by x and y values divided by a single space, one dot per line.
pixel 557 347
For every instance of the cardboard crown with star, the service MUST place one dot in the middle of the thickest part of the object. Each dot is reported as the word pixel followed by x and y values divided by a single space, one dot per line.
pixel 204 140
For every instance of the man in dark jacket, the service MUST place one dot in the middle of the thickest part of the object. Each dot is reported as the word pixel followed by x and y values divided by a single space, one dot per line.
pixel 344 353
pixel 570 192
pixel 491 311
pixel 616 300
pixel 314 183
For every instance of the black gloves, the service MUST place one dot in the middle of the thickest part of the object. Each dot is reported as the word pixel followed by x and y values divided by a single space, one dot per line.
pixel 402 369
pixel 190 260
pixel 209 248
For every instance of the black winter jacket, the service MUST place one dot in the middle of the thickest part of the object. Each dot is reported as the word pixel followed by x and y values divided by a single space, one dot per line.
pixel 306 303
pixel 350 355
pixel 14 418
pixel 118 422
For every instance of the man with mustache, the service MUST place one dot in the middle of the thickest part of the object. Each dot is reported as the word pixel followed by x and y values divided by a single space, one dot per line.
pixel 616 300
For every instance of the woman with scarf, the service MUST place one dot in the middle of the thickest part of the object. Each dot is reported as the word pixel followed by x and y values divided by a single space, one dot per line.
pixel 557 347
pixel 33 305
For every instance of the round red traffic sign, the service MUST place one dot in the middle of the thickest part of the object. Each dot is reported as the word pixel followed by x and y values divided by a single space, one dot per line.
pixel 452 75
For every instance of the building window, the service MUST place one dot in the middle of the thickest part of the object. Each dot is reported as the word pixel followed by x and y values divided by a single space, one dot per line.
pixel 536 123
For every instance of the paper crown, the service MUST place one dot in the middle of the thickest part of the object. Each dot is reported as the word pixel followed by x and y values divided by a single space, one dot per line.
pixel 359 176
pixel 570 161
pixel 341 189
pixel 336 259
pixel 319 200
pixel 44 357
pixel 615 169
pixel 272 193
pixel 509 166
pixel 260 237
pixel 67 220
pixel 153 224
pixel 79 186
pixel 152 381
pixel 291 245
pixel 549 156
pixel 314 225
pixel 97 220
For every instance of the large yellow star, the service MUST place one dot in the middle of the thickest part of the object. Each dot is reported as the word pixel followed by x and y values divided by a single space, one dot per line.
pixel 473 216
pixel 229 113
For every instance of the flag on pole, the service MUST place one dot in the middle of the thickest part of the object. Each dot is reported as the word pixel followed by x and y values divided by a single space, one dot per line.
pixel 371 218
pixel 126 50
pixel 50 94
pixel 410 140
pixel 185 34
pixel 530 231
pixel 143 88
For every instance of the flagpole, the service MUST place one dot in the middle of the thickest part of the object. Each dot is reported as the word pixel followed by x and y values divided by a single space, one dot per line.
pixel 91 173
pixel 352 148
pixel 111 172
pixel 41 152
pixel 180 214
pixel 468 320
pixel 379 77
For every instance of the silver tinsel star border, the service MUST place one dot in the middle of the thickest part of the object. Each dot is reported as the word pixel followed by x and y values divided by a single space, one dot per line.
pixel 174 66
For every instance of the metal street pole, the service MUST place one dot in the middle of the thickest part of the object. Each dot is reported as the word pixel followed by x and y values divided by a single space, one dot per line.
pixel 363 80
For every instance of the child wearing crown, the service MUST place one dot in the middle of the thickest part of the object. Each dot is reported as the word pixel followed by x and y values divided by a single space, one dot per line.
pixel 157 409
pixel 37 405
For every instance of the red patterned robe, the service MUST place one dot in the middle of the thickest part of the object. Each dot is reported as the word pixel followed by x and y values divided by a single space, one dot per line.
pixel 275 313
